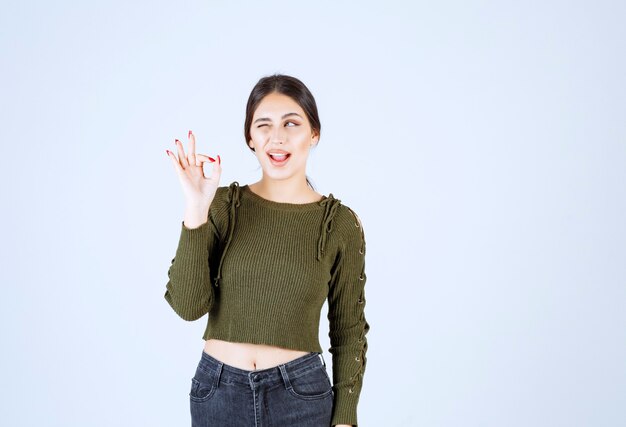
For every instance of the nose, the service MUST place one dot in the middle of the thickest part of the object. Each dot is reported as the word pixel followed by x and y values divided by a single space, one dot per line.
pixel 278 135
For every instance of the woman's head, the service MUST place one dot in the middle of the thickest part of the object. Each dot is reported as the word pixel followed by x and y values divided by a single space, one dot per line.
pixel 281 115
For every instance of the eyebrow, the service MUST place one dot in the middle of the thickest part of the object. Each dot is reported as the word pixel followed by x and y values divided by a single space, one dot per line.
pixel 268 119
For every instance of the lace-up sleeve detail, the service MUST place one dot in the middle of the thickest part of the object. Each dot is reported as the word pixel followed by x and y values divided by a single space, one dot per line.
pixel 331 204
pixel 348 325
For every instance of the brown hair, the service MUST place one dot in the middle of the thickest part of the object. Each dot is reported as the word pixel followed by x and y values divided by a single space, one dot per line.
pixel 286 85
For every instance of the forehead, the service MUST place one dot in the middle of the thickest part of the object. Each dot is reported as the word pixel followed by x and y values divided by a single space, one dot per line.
pixel 277 104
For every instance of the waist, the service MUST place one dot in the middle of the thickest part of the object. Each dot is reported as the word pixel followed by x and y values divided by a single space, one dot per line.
pixel 234 375
pixel 248 356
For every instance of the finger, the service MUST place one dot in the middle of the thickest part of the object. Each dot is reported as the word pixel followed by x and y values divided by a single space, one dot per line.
pixel 216 171
pixel 201 158
pixel 181 154
pixel 217 168
pixel 174 160
pixel 191 157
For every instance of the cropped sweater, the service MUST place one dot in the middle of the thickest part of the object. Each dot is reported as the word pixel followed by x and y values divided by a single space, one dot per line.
pixel 262 270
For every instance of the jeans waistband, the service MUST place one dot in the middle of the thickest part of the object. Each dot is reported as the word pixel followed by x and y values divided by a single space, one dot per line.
pixel 232 374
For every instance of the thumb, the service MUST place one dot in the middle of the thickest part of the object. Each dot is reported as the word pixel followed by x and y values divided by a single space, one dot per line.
pixel 216 171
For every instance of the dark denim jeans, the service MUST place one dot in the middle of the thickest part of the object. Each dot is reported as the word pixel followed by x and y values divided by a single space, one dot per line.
pixel 297 393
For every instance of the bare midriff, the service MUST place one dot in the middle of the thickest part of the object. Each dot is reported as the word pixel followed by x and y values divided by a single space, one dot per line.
pixel 250 356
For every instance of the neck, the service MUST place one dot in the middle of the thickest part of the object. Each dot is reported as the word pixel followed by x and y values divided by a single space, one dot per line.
pixel 293 190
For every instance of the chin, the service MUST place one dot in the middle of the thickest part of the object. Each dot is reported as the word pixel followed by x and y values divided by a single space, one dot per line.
pixel 280 175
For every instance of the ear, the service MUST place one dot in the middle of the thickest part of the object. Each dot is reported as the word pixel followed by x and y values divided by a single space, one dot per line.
pixel 314 139
pixel 251 145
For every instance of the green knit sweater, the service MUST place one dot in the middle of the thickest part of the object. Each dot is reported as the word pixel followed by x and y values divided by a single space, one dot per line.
pixel 262 270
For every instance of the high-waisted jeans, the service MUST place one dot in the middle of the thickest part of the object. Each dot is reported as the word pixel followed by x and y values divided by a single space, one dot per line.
pixel 296 393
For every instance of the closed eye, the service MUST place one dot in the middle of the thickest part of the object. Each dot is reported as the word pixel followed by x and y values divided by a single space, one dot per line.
pixel 289 121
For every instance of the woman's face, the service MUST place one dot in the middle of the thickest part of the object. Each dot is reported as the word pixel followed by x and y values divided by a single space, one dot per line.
pixel 279 125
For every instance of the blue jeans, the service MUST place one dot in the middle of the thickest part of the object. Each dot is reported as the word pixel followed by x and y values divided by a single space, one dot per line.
pixel 296 393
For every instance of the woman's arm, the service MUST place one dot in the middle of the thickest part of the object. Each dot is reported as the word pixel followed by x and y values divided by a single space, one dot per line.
pixel 348 326
pixel 189 290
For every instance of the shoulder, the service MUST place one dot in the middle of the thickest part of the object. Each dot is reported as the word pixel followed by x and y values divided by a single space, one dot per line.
pixel 223 190
pixel 346 216
pixel 348 224
pixel 224 193
pixel 222 198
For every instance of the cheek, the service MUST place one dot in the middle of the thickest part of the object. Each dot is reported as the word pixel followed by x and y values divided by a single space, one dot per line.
pixel 258 134
pixel 302 150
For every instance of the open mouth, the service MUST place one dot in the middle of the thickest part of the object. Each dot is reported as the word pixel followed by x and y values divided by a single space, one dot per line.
pixel 279 158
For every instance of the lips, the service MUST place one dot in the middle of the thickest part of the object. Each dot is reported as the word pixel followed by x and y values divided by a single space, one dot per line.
pixel 278 157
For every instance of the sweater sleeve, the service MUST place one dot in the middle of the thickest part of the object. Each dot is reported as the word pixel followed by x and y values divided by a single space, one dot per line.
pixel 347 323
pixel 189 290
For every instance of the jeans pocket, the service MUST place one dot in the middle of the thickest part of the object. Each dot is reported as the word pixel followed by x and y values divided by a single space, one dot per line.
pixel 203 386
pixel 312 384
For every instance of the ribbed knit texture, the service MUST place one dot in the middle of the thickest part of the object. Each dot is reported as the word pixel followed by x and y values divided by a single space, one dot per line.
pixel 262 271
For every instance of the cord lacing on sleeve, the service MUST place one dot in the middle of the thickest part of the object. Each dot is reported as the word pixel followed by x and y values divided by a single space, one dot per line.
pixel 332 204
pixel 234 201
pixel 360 358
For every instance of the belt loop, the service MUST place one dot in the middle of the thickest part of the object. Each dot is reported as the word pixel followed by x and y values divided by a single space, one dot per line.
pixel 285 375
pixel 220 367
pixel 323 361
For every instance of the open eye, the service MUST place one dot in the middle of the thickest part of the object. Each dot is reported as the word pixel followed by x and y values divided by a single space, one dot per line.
pixel 294 123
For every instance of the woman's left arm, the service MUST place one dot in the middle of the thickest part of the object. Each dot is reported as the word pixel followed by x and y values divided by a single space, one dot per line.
pixel 348 326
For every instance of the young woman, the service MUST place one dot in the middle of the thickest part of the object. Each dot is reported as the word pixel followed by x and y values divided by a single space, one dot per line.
pixel 261 260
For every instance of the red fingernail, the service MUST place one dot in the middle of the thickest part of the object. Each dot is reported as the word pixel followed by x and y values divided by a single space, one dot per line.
pixel 219 160
pixel 176 140
pixel 211 158
pixel 189 135
pixel 167 151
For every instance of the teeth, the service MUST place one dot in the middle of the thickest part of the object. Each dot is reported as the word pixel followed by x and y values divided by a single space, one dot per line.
pixel 278 156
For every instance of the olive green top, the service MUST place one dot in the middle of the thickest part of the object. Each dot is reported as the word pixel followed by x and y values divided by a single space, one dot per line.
pixel 262 270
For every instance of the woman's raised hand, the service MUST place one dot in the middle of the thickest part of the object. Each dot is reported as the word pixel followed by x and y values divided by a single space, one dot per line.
pixel 199 190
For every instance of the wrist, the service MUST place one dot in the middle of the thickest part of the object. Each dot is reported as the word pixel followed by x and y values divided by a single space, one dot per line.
pixel 195 215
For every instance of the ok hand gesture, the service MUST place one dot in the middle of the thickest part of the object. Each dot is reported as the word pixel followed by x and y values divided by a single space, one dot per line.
pixel 199 190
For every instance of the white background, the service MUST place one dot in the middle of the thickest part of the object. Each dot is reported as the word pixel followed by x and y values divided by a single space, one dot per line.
pixel 482 143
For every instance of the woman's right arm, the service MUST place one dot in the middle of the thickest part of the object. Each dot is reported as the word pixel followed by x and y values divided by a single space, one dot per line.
pixel 189 290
